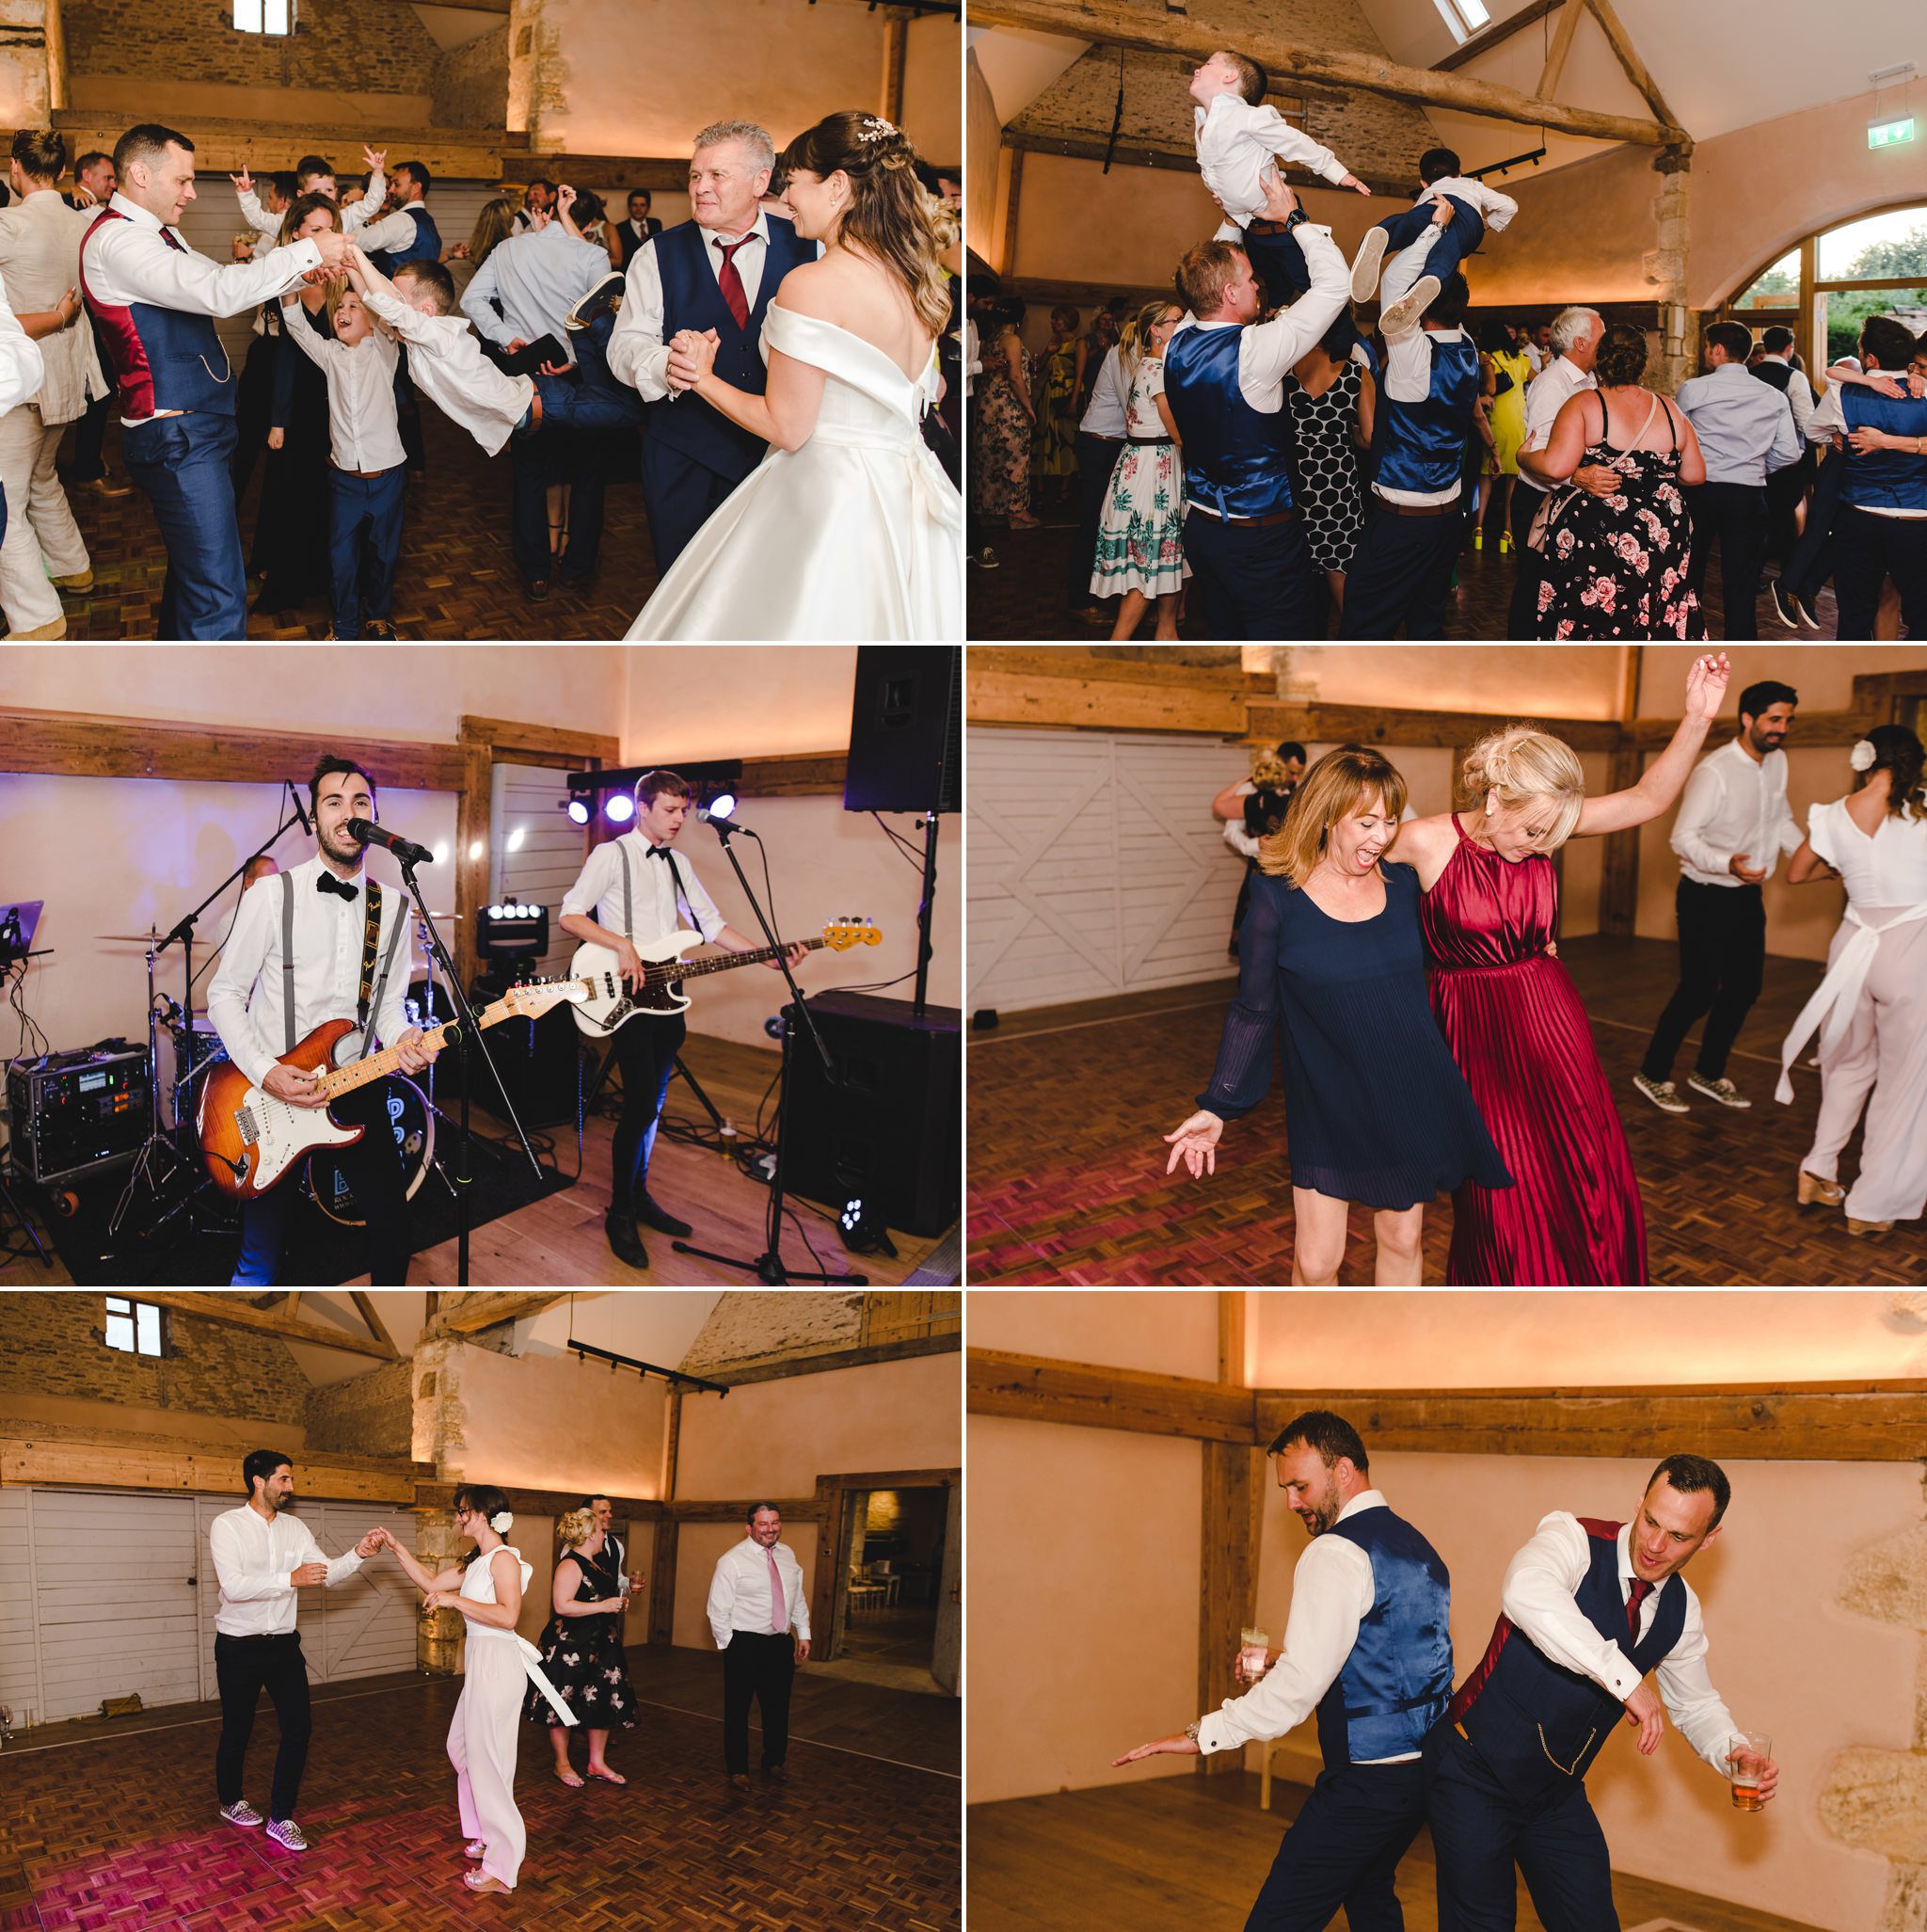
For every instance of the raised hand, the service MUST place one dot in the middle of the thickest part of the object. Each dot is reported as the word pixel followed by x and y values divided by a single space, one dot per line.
pixel 369 1544
pixel 565 198
pixel 1706 685
pixel 333 247
pixel 243 182
pixel 377 159
pixel 1195 1142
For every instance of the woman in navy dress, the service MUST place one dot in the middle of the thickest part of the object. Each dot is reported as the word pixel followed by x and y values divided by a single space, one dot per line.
pixel 1331 954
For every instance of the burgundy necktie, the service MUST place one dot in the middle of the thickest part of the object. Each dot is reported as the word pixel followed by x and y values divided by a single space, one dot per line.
pixel 730 283
pixel 779 1622
pixel 178 247
pixel 1636 1595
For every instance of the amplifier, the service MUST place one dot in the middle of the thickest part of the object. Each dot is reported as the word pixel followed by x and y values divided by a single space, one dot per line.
pixel 74 1112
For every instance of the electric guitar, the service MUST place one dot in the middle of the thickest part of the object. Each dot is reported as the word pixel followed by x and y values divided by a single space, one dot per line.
pixel 251 1140
pixel 609 1001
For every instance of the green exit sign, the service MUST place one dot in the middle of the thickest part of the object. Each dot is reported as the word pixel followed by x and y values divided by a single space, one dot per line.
pixel 1890 134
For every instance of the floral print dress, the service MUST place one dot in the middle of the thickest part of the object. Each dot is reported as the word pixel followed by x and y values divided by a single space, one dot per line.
pixel 1000 438
pixel 583 1657
pixel 1141 543
pixel 1616 565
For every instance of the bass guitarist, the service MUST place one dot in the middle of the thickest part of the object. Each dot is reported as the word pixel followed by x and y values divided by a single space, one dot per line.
pixel 325 941
pixel 635 889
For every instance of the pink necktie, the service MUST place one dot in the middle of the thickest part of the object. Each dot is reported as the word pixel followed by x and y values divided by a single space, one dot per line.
pixel 778 1621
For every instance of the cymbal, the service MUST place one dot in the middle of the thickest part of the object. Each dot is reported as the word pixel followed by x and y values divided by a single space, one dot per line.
pixel 136 938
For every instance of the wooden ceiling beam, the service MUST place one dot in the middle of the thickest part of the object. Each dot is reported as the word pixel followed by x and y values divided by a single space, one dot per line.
pixel 365 1307
pixel 478 1310
pixel 1528 16
pixel 1082 146
pixel 1569 16
pixel 235 1312
pixel 1119 24
pixel 1627 54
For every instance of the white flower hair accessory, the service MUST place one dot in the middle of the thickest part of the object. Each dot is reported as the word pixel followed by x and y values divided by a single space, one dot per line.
pixel 1862 756
pixel 874 129
pixel 500 1521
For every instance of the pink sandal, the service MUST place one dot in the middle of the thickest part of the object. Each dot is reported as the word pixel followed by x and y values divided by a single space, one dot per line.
pixel 475 1848
pixel 482 1881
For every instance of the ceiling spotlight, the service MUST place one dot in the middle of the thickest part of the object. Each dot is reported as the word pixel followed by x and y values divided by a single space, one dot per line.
pixel 579 810
pixel 618 808
pixel 722 805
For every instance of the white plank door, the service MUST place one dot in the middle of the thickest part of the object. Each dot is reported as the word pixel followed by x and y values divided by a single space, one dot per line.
pixel 20 1660
pixel 115 1590
pixel 1097 866
pixel 548 852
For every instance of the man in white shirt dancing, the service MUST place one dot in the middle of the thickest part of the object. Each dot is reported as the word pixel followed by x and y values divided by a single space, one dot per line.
pixel 1591 1609
pixel 263 1555
pixel 155 301
pixel 1732 825
pixel 1368 1646
pixel 756 1600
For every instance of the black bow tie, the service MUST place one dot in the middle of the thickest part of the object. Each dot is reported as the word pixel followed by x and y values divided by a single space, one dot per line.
pixel 659 852
pixel 327 881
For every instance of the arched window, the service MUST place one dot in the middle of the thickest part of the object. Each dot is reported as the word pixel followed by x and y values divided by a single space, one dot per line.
pixel 1828 285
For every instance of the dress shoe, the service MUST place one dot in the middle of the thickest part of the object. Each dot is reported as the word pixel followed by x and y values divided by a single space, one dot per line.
pixel 626 1242
pixel 538 590
pixel 776 1774
pixel 652 1214
pixel 738 1780
pixel 107 486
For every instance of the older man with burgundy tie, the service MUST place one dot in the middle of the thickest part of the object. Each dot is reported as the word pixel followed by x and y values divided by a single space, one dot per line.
pixel 755 1598
pixel 154 302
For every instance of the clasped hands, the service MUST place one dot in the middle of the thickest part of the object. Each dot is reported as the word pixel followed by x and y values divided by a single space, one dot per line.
pixel 692 356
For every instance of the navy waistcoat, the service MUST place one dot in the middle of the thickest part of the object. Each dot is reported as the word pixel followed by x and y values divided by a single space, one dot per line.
pixel 1236 457
pixel 1420 446
pixel 1884 479
pixel 163 359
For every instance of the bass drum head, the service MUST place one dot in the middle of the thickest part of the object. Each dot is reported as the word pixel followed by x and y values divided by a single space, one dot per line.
pixel 413 1124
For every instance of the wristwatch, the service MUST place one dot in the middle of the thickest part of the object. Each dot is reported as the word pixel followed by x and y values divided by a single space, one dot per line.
pixel 1191 1729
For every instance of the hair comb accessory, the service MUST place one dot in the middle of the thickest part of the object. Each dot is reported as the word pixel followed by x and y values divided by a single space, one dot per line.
pixel 875 129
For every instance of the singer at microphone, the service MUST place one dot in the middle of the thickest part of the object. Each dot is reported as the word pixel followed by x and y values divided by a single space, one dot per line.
pixel 369 833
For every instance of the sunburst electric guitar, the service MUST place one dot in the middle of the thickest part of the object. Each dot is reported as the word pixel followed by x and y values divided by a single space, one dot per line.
pixel 609 1001
pixel 251 1140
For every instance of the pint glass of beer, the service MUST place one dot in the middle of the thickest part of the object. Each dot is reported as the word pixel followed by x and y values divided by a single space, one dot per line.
pixel 1748 1754
pixel 1254 1649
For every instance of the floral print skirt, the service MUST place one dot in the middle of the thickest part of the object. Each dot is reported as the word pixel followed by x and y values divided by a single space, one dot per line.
pixel 1616 566
pixel 1141 543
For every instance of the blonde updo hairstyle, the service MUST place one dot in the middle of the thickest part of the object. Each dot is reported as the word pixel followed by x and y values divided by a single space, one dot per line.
pixel 892 216
pixel 1134 343
pixel 1332 791
pixel 1521 768
pixel 574 1528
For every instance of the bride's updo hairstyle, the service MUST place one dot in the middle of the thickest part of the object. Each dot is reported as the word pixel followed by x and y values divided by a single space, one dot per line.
pixel 1898 753
pixel 891 214
pixel 1527 768
pixel 1332 791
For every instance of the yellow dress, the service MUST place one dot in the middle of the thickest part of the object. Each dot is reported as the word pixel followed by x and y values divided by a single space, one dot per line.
pixel 1508 412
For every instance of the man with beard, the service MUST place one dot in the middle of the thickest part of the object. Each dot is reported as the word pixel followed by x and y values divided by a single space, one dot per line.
pixel 322 942
pixel 1732 825
pixel 1590 1607
pixel 1369 1645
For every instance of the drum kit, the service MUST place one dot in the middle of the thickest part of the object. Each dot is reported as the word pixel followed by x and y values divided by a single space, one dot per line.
pixel 170 1174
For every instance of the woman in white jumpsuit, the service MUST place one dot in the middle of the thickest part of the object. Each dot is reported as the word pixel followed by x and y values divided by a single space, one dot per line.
pixel 1871 1007
pixel 487 1589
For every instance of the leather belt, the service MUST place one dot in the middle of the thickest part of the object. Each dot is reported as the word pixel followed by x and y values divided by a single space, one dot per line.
pixel 1415 509
pixel 1265 225
pixel 1150 442
pixel 1269 523
pixel 364 473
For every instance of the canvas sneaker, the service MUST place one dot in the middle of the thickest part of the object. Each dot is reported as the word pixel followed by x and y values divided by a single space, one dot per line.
pixel 1663 1095
pixel 287 1834
pixel 1723 1091
pixel 241 1812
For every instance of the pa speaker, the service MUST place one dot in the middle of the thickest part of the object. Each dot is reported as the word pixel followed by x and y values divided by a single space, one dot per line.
pixel 536 1059
pixel 892 1133
pixel 906 729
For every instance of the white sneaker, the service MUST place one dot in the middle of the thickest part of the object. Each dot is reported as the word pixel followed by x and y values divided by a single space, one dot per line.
pixel 287 1834
pixel 1367 262
pixel 1399 317
pixel 241 1812
pixel 1723 1091
pixel 1663 1095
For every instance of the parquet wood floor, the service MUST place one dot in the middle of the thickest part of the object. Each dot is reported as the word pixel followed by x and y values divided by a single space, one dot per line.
pixel 456 578
pixel 1024 598
pixel 559 1240
pixel 1193 1851
pixel 1067 1184
pixel 123 1832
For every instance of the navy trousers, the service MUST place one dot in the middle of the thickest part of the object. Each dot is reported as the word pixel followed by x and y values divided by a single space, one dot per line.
pixel 1401 573
pixel 680 495
pixel 1736 514
pixel 1806 571
pixel 363 545
pixel 1343 1851
pixel 1481 1833
pixel 1278 264
pixel 1868 549
pixel 594 399
pixel 1250 583
pixel 182 465
pixel 1458 238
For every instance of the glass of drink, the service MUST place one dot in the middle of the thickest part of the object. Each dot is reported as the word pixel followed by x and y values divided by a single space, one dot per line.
pixel 1748 1754
pixel 1255 1650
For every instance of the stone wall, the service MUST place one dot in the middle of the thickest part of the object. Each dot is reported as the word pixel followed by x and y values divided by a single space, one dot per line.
pixel 55 1345
pixel 350 46
pixel 749 1326
pixel 370 1414
pixel 472 83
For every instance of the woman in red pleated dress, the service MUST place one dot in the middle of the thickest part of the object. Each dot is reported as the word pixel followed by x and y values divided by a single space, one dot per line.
pixel 1511 1011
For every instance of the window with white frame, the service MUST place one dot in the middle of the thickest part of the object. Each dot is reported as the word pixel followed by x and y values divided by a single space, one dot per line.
pixel 133 1327
pixel 265 16
pixel 1464 17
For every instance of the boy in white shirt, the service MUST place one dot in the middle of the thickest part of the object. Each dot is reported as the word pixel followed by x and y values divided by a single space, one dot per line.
pixel 1447 222
pixel 312 175
pixel 366 462
pixel 1239 140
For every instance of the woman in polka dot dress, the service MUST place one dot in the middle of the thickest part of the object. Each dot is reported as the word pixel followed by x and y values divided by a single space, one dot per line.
pixel 1330 398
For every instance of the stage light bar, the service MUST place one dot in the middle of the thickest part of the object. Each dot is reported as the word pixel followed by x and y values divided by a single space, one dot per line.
pixel 512 930
pixel 618 808
pixel 722 805
pixel 578 809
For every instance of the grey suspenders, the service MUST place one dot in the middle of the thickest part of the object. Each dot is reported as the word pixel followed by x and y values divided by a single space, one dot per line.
pixel 628 908
pixel 387 959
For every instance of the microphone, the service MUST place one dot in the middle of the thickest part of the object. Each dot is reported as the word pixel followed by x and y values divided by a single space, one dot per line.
pixel 720 823
pixel 300 810
pixel 369 833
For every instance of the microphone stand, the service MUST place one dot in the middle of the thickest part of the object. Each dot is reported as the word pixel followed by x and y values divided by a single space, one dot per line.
pixel 770 1266
pixel 472 1037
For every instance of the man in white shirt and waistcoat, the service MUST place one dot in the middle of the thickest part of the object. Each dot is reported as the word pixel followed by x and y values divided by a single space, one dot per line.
pixel 262 1555
pixel 756 1601
pixel 1369 1647
pixel 322 942
pixel 1732 825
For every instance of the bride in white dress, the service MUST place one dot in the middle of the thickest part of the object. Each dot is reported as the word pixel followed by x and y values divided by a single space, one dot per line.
pixel 849 528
